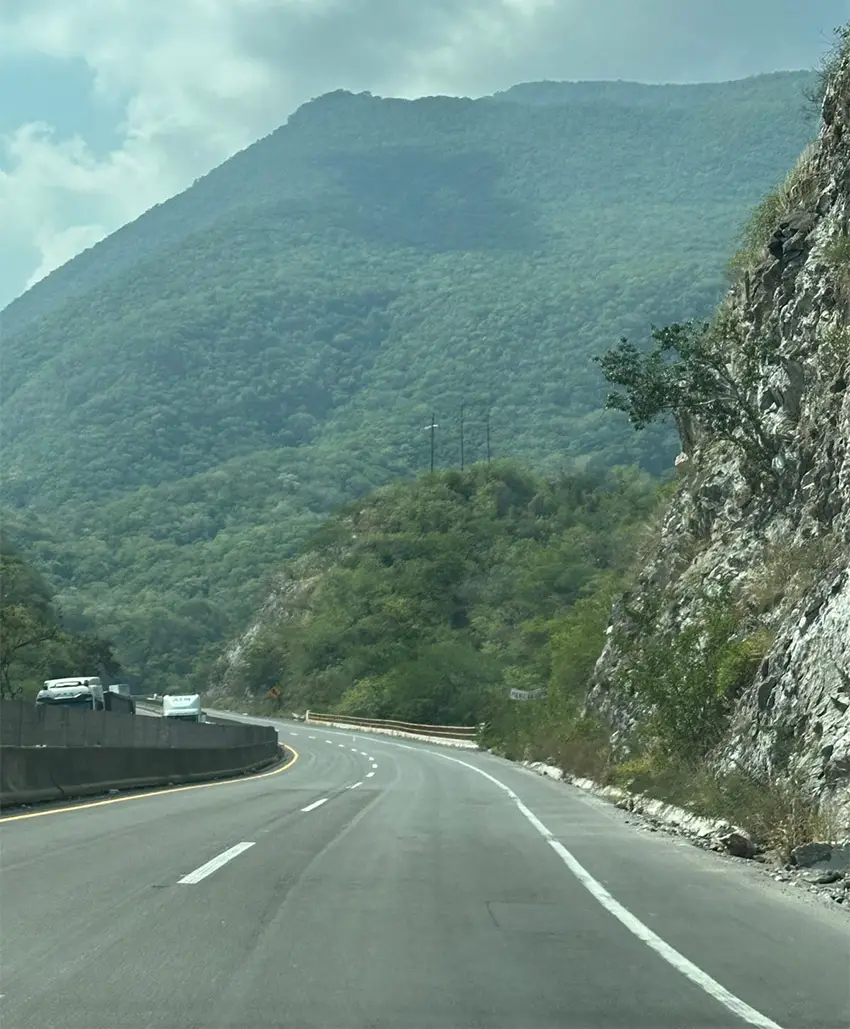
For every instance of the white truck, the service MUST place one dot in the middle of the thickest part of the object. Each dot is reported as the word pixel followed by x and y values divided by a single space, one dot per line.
pixel 81 691
pixel 186 707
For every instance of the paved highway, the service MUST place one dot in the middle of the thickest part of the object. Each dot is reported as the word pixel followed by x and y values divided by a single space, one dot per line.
pixel 373 884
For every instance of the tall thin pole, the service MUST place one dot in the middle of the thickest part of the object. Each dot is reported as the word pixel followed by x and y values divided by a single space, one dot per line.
pixel 433 427
pixel 488 435
pixel 461 435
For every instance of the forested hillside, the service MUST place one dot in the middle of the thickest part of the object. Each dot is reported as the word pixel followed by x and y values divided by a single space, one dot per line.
pixel 35 642
pixel 185 401
pixel 428 600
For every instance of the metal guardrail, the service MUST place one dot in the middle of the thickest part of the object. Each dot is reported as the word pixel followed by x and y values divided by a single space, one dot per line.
pixel 454 732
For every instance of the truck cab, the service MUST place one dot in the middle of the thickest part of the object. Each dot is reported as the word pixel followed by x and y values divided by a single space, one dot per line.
pixel 80 691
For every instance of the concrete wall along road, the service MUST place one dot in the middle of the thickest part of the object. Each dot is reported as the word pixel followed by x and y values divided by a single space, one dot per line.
pixel 53 753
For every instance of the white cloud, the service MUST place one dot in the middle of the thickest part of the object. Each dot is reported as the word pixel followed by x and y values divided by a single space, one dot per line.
pixel 190 99
pixel 199 79
pixel 58 245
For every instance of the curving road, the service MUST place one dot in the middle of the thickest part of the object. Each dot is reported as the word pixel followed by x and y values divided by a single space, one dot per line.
pixel 373 884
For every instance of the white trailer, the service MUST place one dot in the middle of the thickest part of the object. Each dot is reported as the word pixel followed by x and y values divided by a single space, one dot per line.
pixel 185 707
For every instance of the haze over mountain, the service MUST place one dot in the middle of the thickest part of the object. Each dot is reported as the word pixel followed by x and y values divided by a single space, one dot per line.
pixel 185 400
pixel 110 107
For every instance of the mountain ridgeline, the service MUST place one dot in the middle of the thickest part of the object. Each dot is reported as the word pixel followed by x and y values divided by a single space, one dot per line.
pixel 184 402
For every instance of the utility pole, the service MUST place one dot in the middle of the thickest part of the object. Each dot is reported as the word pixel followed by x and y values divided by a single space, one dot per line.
pixel 488 435
pixel 433 427
pixel 461 435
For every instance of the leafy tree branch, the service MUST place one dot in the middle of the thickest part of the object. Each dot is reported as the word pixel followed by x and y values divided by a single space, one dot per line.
pixel 703 375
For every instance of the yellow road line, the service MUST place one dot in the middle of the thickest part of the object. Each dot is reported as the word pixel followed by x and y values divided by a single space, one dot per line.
pixel 153 793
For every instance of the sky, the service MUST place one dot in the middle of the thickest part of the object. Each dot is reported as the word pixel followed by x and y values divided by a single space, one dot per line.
pixel 108 107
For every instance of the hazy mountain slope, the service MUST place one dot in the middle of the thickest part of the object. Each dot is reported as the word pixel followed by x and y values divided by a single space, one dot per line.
pixel 273 340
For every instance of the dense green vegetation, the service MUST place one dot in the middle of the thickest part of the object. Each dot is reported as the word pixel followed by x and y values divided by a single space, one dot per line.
pixel 429 599
pixel 687 376
pixel 185 402
pixel 35 644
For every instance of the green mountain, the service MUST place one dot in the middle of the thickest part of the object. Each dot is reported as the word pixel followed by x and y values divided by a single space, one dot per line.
pixel 184 401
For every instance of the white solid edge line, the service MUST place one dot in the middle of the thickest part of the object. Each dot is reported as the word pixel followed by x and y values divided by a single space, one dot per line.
pixel 691 971
pixel 315 804
pixel 207 869
pixel 369 775
pixel 630 921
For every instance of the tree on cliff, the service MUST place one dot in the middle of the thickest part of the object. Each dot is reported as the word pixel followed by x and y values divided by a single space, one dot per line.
pixel 703 376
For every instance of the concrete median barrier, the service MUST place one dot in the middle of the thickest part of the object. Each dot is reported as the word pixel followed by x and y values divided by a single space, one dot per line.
pixel 53 754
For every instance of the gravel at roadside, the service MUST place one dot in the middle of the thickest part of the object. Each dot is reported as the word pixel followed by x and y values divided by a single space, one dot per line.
pixel 822 869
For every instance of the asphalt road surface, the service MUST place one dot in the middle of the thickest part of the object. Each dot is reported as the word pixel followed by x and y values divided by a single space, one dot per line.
pixel 372 884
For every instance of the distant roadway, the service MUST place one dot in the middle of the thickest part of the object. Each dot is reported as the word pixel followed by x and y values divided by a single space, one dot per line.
pixel 373 883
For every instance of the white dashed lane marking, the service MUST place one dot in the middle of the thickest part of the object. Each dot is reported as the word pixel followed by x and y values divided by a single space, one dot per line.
pixel 213 864
pixel 315 804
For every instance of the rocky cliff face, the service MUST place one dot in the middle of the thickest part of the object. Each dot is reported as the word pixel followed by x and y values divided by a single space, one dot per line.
pixel 780 542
